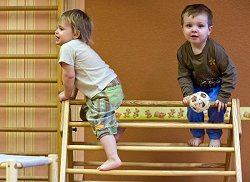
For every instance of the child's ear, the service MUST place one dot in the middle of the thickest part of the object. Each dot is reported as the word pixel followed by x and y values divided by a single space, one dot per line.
pixel 210 29
pixel 77 34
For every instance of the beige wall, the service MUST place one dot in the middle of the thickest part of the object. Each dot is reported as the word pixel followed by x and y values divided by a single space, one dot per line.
pixel 139 40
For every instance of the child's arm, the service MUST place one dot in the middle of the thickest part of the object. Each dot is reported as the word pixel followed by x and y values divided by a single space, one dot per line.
pixel 184 76
pixel 74 93
pixel 228 74
pixel 68 79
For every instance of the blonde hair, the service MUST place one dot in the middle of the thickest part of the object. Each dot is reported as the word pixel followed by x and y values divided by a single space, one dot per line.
pixel 80 23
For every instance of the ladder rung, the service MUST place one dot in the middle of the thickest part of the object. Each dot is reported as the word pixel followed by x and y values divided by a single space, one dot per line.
pixel 105 181
pixel 23 129
pixel 151 172
pixel 27 153
pixel 28 8
pixel 27 80
pixel 150 103
pixel 155 148
pixel 146 144
pixel 28 56
pixel 161 124
pixel 155 165
pixel 28 178
pixel 27 32
pixel 28 105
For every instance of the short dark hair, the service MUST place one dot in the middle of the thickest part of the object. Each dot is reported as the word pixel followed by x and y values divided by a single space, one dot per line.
pixel 195 9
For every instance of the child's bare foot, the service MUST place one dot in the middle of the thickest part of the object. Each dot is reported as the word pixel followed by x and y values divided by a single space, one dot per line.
pixel 110 164
pixel 119 133
pixel 214 143
pixel 195 142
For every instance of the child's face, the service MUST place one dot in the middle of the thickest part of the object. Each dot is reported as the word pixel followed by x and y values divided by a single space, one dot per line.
pixel 196 29
pixel 64 33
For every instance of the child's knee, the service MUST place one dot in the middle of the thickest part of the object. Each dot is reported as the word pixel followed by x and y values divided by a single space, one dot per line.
pixel 105 131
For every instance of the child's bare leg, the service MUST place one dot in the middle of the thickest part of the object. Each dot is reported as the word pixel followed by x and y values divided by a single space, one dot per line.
pixel 195 142
pixel 120 131
pixel 113 161
pixel 214 143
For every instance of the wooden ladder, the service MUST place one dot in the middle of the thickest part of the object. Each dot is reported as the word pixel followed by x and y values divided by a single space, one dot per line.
pixel 27 82
pixel 231 148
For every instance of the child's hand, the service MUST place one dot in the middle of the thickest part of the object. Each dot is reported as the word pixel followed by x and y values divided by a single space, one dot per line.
pixel 220 105
pixel 186 100
pixel 62 97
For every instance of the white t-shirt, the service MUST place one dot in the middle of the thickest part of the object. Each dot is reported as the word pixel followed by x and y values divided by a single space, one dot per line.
pixel 92 73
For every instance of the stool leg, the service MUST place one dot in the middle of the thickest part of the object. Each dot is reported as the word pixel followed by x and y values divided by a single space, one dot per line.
pixel 11 171
pixel 53 168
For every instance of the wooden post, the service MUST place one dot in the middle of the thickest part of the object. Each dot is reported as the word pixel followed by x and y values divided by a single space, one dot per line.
pixel 11 171
pixel 66 114
pixel 53 168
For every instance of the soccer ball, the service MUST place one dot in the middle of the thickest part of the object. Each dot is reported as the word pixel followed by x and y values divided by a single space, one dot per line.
pixel 199 101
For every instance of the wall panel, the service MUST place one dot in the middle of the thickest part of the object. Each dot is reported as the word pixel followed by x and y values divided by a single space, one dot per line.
pixel 139 40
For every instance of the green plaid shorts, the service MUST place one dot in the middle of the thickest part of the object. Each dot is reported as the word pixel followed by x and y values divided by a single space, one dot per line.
pixel 99 111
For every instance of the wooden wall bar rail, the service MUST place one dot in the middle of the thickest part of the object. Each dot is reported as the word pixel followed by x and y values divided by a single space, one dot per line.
pixel 35 178
pixel 26 153
pixel 27 80
pixel 28 56
pixel 28 8
pixel 19 107
pixel 27 32
pixel 22 129
pixel 29 105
